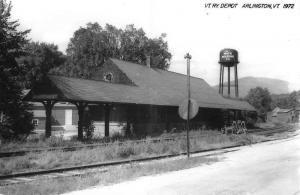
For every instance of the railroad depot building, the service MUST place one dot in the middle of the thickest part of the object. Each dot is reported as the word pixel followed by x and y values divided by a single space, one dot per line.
pixel 142 99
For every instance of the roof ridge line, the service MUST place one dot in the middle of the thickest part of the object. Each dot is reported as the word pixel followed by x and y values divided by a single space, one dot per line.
pixel 91 80
pixel 157 68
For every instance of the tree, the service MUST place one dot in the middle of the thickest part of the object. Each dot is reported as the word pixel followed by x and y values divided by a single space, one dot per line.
pixel 92 45
pixel 285 100
pixel 158 49
pixel 293 100
pixel 260 99
pixel 88 126
pixel 40 58
pixel 15 120
pixel 87 48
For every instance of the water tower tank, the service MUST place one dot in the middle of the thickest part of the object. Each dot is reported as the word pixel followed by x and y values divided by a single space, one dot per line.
pixel 228 57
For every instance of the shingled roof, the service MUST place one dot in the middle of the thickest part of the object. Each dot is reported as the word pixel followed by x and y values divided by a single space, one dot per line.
pixel 153 87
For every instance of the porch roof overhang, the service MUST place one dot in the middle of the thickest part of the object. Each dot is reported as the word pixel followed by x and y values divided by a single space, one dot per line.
pixel 66 89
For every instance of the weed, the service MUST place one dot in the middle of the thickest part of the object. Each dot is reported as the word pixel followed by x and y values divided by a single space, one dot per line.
pixel 125 151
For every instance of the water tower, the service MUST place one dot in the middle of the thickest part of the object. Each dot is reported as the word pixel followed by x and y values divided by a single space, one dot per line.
pixel 228 59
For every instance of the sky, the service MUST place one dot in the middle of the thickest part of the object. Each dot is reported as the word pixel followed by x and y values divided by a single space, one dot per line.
pixel 268 40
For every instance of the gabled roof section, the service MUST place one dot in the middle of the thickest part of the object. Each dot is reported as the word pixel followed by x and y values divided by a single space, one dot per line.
pixel 173 85
pixel 152 87
pixel 98 73
pixel 44 90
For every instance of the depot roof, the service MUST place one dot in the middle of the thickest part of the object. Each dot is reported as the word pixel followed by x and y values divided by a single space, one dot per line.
pixel 152 87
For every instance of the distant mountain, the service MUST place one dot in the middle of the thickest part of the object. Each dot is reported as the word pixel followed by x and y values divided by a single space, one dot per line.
pixel 275 86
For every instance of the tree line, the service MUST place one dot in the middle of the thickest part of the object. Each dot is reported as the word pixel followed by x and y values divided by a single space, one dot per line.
pixel 89 47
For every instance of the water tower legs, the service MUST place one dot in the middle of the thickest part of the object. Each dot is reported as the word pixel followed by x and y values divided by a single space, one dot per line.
pixel 222 90
pixel 228 82
pixel 220 79
pixel 235 83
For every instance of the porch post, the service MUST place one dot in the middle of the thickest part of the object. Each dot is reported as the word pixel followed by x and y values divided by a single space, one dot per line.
pixel 128 120
pixel 80 107
pixel 228 119
pixel 1 116
pixel 238 115
pixel 106 119
pixel 48 109
pixel 235 115
pixel 166 112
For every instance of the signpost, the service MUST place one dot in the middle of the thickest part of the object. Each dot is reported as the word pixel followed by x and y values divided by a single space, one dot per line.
pixel 189 108
pixel 188 57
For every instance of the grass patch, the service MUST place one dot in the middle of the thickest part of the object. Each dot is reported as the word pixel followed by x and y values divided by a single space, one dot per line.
pixel 38 142
pixel 113 175
pixel 200 140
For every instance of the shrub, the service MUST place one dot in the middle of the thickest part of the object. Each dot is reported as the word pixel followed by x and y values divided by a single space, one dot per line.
pixel 88 126
pixel 54 141
pixel 125 151
pixel 117 137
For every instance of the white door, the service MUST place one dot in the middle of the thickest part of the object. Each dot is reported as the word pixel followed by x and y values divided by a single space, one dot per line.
pixel 68 117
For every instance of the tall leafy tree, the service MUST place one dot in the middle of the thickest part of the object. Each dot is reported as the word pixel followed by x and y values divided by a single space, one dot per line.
pixel 40 58
pixel 15 120
pixel 87 48
pixel 260 99
pixel 134 44
pixel 158 48
pixel 90 46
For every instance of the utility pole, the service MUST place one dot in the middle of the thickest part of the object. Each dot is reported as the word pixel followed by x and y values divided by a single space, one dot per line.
pixel 188 57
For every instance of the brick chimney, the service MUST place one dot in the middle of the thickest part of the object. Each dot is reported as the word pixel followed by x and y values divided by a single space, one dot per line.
pixel 148 61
